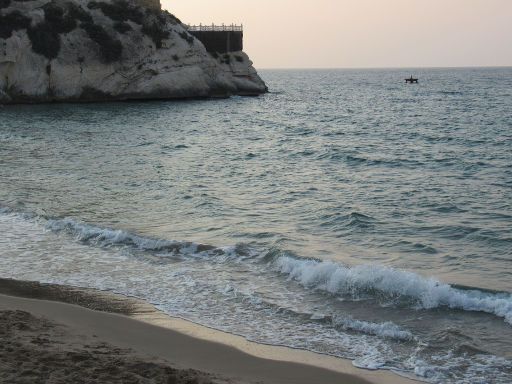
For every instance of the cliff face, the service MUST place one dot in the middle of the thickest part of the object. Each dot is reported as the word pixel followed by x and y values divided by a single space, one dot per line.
pixel 81 50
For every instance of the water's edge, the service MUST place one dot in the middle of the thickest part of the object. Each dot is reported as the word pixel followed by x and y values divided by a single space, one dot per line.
pixel 136 308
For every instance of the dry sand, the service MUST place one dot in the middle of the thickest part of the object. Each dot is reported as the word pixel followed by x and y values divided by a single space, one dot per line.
pixel 78 340
pixel 36 350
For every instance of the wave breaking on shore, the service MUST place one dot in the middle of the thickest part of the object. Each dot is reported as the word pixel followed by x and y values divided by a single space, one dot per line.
pixel 389 286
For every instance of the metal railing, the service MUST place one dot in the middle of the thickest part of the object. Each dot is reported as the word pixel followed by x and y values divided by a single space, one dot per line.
pixel 215 28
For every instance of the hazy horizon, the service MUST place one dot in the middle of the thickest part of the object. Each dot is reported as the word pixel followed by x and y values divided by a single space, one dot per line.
pixel 363 34
pixel 386 68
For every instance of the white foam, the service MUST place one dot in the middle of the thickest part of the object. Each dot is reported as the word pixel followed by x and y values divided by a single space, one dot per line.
pixel 389 283
pixel 108 237
pixel 386 329
pixel 357 282
pixel 231 297
pixel 483 369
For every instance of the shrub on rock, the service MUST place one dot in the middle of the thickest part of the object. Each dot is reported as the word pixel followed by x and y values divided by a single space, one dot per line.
pixel 156 32
pixel 44 40
pixel 119 10
pixel 45 36
pixel 78 13
pixel 110 49
pixel 13 21
pixel 57 19
pixel 187 37
pixel 4 3
pixel 122 27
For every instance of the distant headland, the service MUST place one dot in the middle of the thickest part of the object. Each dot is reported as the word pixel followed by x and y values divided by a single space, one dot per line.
pixel 87 50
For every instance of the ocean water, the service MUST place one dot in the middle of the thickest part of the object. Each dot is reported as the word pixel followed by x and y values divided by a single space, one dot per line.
pixel 344 212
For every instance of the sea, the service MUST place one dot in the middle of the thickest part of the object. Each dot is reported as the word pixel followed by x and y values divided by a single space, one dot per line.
pixel 345 212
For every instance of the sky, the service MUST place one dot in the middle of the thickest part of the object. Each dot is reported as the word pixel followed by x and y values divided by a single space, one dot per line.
pixel 363 33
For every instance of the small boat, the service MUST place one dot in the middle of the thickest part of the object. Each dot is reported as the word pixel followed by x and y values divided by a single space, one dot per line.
pixel 411 80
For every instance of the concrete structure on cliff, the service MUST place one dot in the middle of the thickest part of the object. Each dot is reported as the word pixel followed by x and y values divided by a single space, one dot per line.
pixel 216 38
pixel 219 38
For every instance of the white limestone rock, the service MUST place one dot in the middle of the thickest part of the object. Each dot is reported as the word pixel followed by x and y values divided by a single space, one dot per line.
pixel 169 64
pixel 240 68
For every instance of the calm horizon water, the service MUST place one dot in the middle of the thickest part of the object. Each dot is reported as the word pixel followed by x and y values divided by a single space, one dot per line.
pixel 345 212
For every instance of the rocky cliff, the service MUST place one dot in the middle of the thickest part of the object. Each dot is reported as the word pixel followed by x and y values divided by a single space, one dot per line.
pixel 86 50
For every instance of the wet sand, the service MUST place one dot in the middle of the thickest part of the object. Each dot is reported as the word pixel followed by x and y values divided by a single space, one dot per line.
pixel 55 334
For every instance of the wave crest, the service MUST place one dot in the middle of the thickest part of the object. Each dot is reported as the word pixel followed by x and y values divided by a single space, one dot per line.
pixel 370 281
pixel 381 282
pixel 108 237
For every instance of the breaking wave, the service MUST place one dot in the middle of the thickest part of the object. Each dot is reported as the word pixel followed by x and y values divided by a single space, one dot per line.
pixel 387 285
pixel 401 287
pixel 108 237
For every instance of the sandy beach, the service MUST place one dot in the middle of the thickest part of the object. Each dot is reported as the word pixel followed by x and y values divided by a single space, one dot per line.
pixel 55 334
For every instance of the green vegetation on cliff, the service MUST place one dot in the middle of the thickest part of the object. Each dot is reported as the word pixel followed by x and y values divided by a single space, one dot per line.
pixel 13 21
pixel 63 18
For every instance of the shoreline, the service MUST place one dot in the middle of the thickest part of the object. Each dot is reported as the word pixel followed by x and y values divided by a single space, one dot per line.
pixel 144 333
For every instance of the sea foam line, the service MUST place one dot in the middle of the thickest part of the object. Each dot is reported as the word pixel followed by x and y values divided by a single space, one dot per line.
pixel 109 237
pixel 362 281
pixel 387 329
